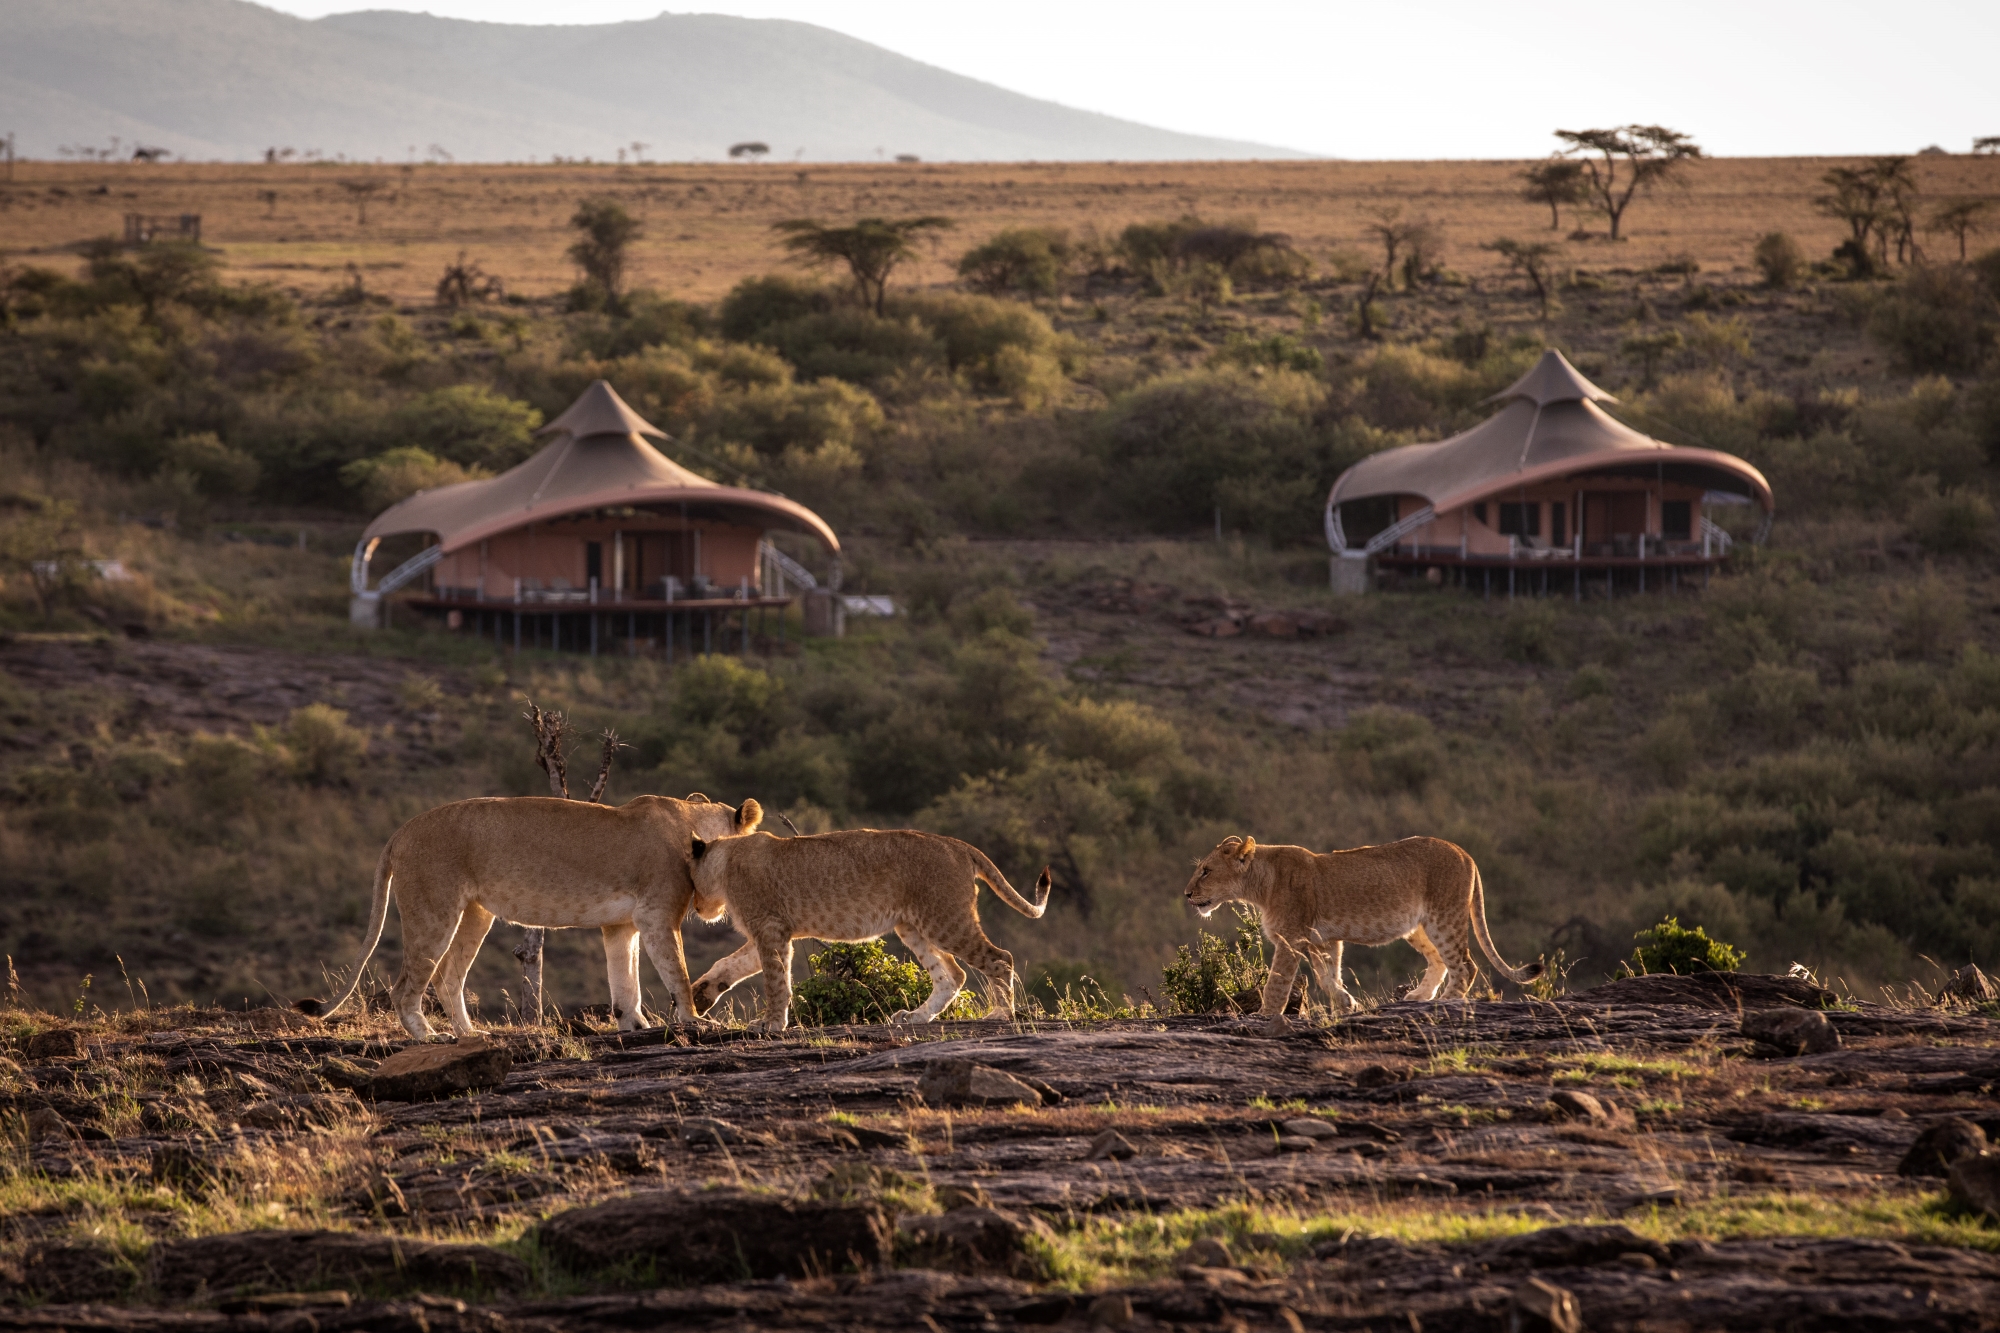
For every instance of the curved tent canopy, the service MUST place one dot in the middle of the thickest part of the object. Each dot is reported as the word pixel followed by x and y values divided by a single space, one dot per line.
pixel 597 460
pixel 1549 427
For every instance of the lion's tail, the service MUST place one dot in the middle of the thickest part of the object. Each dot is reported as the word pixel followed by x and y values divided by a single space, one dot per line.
pixel 984 869
pixel 1519 976
pixel 378 916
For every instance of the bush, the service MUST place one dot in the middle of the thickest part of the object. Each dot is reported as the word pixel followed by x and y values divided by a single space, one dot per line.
pixel 1672 948
pixel 1941 318
pixel 397 475
pixel 864 983
pixel 1019 259
pixel 1779 258
pixel 325 750
pixel 1955 521
pixel 1218 978
pixel 468 425
pixel 216 468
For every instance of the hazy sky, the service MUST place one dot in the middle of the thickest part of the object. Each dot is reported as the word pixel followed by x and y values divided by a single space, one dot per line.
pixel 1450 78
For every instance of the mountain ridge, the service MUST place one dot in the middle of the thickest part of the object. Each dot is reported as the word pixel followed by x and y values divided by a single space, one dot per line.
pixel 229 79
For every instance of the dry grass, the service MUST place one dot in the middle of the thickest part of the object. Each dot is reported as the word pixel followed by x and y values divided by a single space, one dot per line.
pixel 709 226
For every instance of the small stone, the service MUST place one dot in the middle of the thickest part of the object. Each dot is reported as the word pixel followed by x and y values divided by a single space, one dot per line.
pixel 1208 1252
pixel 1941 1145
pixel 1307 1127
pixel 701 1131
pixel 1895 1113
pixel 281 1020
pixel 428 1072
pixel 55 1044
pixel 1574 1105
pixel 1110 1146
pixel 963 1083
pixel 1974 1183
pixel 1539 1305
pixel 951 1198
pixel 1111 1310
pixel 1296 1143
pixel 46 1123
pixel 1379 1076
pixel 1639 1260
pixel 1791 1031
pixel 1971 985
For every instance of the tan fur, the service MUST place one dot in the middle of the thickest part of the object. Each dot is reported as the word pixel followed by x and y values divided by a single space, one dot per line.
pixel 857 885
pixel 1423 890
pixel 540 861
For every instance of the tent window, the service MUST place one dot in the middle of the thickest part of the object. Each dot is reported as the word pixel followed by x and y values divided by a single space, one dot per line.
pixel 593 563
pixel 1479 511
pixel 1521 520
pixel 1558 526
pixel 1676 520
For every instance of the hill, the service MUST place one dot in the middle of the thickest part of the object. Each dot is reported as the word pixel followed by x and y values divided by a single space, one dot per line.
pixel 227 79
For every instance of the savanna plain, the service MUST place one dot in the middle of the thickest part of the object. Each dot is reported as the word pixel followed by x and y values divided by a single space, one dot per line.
pixel 1082 440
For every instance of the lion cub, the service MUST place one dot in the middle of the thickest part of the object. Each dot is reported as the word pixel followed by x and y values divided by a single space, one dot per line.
pixel 852 886
pixel 1423 890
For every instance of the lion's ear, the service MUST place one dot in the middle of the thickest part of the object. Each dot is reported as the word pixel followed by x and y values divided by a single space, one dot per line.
pixel 750 816
pixel 697 849
pixel 697 798
pixel 1249 846
pixel 1230 844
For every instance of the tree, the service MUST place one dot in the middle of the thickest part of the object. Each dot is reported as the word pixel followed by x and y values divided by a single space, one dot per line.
pixel 361 192
pixel 605 232
pixel 1875 201
pixel 1556 182
pixel 752 150
pixel 1960 218
pixel 1650 154
pixel 1650 349
pixel 1986 143
pixel 1533 260
pixel 871 248
pixel 1025 259
pixel 465 282
pixel 1394 231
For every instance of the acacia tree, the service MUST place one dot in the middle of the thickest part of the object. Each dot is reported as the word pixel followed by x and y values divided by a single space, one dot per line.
pixel 605 232
pixel 1395 232
pixel 1960 218
pixel 1533 260
pixel 871 248
pixel 1556 182
pixel 1649 155
pixel 1877 201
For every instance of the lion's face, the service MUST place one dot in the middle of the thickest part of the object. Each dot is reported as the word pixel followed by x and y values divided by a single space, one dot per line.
pixel 713 820
pixel 1218 877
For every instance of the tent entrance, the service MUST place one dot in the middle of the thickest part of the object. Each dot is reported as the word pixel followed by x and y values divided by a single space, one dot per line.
pixel 1613 522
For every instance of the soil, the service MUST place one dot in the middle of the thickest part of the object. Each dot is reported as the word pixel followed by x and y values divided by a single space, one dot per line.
pixel 1457 1107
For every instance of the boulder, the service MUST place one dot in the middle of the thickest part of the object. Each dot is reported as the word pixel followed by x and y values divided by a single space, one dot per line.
pixel 55 1044
pixel 1110 1146
pixel 1791 1031
pixel 971 1240
pixel 701 1131
pixel 428 1072
pixel 1573 1105
pixel 721 1235
pixel 963 1083
pixel 1974 1184
pixel 285 1261
pixel 1380 1076
pixel 1572 1247
pixel 1311 1128
pixel 46 1123
pixel 1941 1145
pixel 337 1072
pixel 951 1198
pixel 297 1111
pixel 1543 1307
pixel 1111 1310
pixel 281 1020
pixel 1971 985
pixel 1734 992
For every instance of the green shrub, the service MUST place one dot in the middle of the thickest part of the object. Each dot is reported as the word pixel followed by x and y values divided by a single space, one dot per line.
pixel 400 473
pixel 865 983
pixel 1955 521
pixel 1019 259
pixel 1216 977
pixel 1779 258
pixel 1391 750
pixel 1533 633
pixel 326 751
pixel 1672 948
pixel 1940 318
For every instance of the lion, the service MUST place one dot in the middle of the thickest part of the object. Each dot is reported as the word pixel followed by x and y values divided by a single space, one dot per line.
pixel 540 861
pixel 853 886
pixel 1424 890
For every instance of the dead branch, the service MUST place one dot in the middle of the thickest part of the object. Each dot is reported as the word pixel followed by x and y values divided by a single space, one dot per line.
pixel 551 730
pixel 612 745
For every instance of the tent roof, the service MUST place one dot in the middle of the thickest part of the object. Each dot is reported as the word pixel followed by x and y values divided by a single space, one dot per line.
pixel 597 460
pixel 1550 426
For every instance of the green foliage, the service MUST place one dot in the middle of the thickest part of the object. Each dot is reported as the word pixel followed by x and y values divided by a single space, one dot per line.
pixel 1218 977
pixel 870 248
pixel 1031 260
pixel 865 983
pixel 605 232
pixel 1939 318
pixel 1780 259
pixel 400 473
pixel 1671 947
pixel 326 750
pixel 1165 251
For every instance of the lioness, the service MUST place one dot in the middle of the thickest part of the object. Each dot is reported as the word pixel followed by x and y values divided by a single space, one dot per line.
pixel 852 886
pixel 1423 890
pixel 540 861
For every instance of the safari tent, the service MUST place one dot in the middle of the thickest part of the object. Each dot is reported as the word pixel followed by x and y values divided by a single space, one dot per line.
pixel 1549 493
pixel 598 536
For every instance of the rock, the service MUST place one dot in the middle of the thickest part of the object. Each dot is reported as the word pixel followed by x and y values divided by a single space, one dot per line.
pixel 1974 1183
pixel 1296 1143
pixel 46 1123
pixel 1111 1310
pixel 181 1167
pixel 1110 1146
pixel 284 1261
pixel 1894 1113
pixel 1050 1095
pixel 1273 625
pixel 338 1072
pixel 700 1131
pixel 1571 1247
pixel 1540 1306
pixel 1222 627
pixel 55 1044
pixel 288 1302
pixel 1941 1145
pixel 281 1020
pixel 1307 1127
pixel 1734 992
pixel 963 1083
pixel 1971 985
pixel 1574 1105
pixel 1208 1252
pixel 70 1274
pixel 970 1240
pixel 429 1072
pixel 951 1198
pixel 722 1235
pixel 1791 1031
pixel 1380 1076
pixel 296 1112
